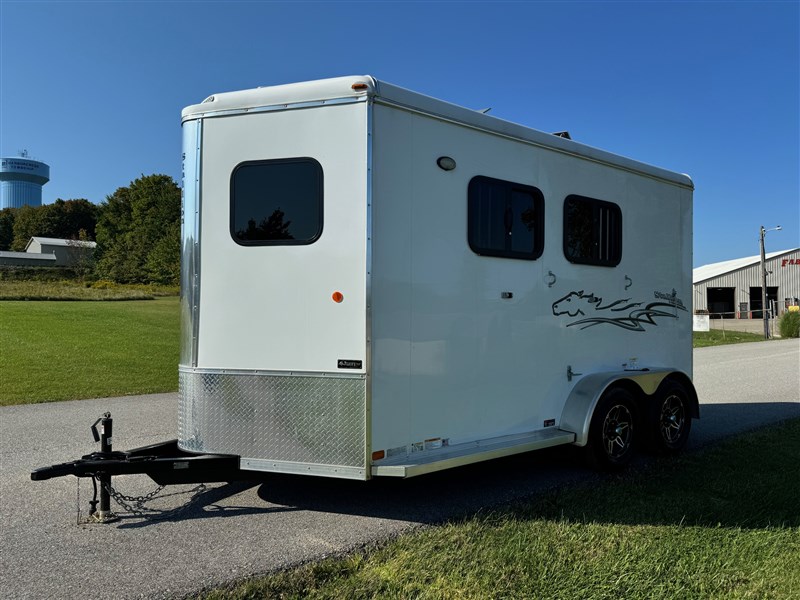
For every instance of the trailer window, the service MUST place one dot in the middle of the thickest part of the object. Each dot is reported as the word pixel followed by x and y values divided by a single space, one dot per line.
pixel 276 202
pixel 592 231
pixel 505 219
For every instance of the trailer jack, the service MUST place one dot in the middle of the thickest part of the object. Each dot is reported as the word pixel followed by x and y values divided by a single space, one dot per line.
pixel 165 463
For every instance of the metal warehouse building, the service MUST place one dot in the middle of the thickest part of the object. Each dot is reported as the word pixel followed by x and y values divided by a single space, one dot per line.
pixel 732 289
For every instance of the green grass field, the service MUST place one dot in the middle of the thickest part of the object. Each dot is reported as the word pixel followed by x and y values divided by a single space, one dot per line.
pixel 718 337
pixel 719 524
pixel 73 290
pixel 68 350
pixel 63 350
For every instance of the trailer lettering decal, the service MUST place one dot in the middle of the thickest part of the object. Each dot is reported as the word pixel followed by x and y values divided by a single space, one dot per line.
pixel 672 298
pixel 349 364
pixel 590 306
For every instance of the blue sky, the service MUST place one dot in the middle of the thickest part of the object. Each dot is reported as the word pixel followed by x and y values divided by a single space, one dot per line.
pixel 711 89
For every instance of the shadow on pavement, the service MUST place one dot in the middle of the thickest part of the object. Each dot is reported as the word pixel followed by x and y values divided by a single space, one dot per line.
pixel 464 491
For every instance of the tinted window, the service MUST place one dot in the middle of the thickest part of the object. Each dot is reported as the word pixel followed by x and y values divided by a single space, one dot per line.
pixel 276 202
pixel 505 218
pixel 592 231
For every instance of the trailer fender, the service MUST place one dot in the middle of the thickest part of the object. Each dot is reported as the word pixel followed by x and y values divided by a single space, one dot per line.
pixel 580 405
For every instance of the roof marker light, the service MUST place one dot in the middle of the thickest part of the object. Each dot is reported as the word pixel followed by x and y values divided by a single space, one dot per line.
pixel 359 87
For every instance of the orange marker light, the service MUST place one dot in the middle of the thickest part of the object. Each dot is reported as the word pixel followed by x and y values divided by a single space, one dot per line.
pixel 359 86
pixel 378 455
pixel 337 297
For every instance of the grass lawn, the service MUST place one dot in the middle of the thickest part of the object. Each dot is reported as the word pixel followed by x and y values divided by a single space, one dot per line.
pixel 63 350
pixel 72 290
pixel 67 350
pixel 723 523
pixel 717 337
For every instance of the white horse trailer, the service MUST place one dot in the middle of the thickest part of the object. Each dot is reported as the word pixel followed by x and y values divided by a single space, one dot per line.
pixel 376 282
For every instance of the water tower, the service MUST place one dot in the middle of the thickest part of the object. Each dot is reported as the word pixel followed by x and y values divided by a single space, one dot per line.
pixel 21 181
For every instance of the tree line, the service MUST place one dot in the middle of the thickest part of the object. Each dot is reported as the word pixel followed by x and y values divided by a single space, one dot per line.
pixel 137 230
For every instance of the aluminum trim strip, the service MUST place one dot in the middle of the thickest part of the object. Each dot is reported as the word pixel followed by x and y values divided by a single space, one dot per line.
pixel 275 108
pixel 190 248
pixel 257 372
pixel 431 463
pixel 296 468
pixel 368 357
pixel 196 249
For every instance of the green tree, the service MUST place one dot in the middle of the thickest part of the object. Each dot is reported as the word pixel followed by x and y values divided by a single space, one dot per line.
pixel 7 217
pixel 63 219
pixel 81 257
pixel 138 232
pixel 28 223
pixel 789 324
pixel 163 263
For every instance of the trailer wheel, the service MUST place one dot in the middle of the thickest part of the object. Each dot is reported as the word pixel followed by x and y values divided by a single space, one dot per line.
pixel 671 419
pixel 612 432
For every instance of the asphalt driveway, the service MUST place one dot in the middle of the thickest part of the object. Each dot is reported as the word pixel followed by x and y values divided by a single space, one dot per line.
pixel 231 531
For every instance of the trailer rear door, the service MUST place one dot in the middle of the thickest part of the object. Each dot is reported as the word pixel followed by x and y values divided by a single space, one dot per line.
pixel 274 351
pixel 283 241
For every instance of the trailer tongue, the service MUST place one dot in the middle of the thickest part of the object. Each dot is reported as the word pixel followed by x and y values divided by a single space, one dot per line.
pixel 164 463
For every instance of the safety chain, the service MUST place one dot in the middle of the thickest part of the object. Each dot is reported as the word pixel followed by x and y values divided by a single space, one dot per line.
pixel 135 505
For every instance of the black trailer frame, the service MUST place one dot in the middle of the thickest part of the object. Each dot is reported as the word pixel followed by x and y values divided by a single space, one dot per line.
pixel 164 462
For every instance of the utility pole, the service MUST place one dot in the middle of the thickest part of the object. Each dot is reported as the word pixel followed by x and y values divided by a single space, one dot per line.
pixel 764 281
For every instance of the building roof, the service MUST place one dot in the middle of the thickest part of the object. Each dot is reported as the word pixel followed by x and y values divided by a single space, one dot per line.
pixel 713 270
pixel 45 241
pixel 27 255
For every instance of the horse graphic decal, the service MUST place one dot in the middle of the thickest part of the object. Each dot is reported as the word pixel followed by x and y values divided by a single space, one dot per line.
pixel 621 313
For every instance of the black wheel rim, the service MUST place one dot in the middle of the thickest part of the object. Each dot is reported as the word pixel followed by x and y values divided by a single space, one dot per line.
pixel 617 431
pixel 672 419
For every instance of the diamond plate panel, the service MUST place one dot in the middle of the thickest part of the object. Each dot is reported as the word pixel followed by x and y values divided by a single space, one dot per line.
pixel 308 419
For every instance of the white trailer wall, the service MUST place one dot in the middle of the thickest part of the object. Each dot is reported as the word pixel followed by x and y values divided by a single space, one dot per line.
pixel 451 358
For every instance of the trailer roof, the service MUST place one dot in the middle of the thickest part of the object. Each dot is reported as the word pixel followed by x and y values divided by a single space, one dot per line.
pixel 365 86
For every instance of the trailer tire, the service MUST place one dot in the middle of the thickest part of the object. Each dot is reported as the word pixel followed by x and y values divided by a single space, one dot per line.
pixel 613 431
pixel 670 419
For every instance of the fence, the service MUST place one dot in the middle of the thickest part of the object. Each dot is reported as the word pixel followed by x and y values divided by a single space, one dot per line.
pixel 734 321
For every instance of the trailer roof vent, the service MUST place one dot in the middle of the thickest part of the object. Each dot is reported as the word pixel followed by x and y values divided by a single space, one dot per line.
pixel 563 134
pixel 209 99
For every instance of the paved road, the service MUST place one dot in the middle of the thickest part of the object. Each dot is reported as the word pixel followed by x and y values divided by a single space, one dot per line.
pixel 235 530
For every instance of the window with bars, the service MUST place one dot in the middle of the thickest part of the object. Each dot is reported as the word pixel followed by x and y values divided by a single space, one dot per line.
pixel 505 219
pixel 592 231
